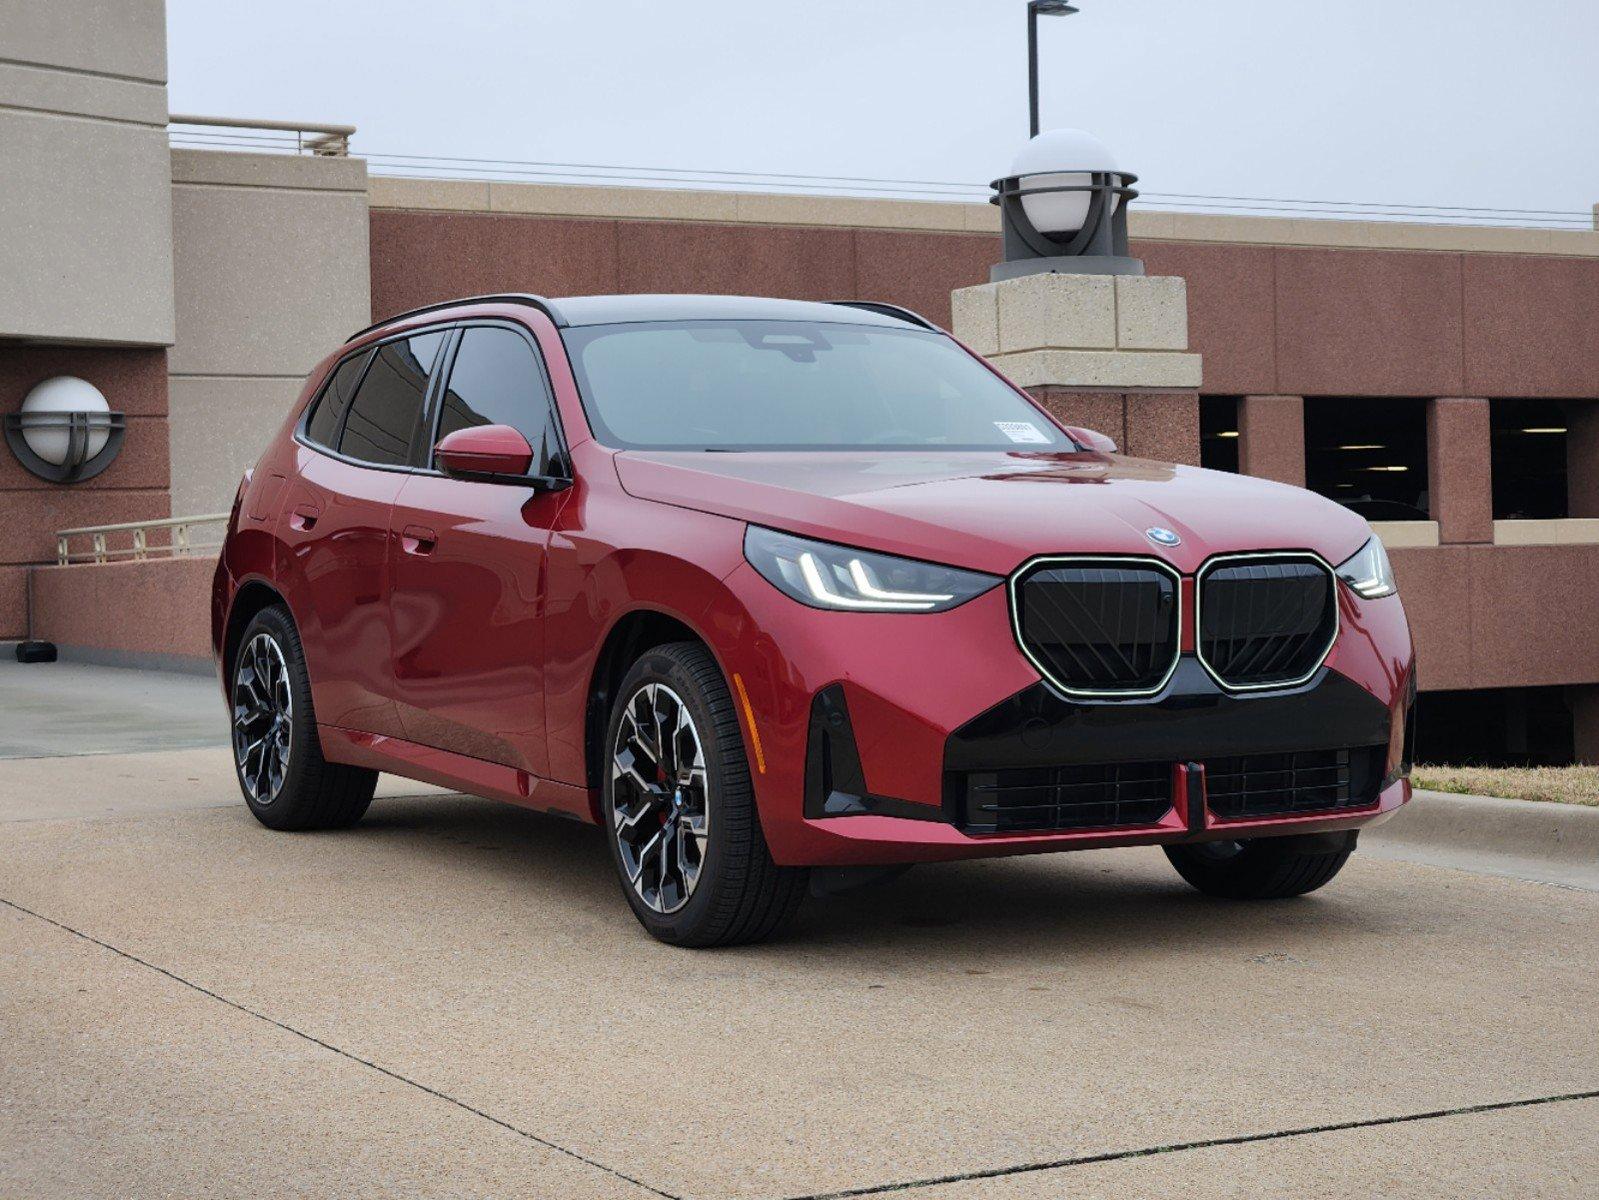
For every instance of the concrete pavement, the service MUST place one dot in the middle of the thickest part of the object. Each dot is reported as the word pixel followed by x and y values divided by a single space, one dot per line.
pixel 453 1000
pixel 78 708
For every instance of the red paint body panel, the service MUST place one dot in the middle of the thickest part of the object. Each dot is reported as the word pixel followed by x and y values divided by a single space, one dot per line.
pixel 453 629
pixel 490 449
pixel 466 610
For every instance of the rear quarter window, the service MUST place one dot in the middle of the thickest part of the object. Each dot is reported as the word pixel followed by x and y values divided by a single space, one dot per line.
pixel 327 411
pixel 386 413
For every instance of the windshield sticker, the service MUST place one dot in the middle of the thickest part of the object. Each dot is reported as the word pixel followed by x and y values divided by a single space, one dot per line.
pixel 1022 431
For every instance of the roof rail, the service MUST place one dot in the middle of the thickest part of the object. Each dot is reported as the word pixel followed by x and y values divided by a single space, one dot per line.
pixel 532 301
pixel 889 310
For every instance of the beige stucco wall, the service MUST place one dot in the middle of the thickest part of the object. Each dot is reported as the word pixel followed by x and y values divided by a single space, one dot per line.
pixel 85 208
pixel 272 272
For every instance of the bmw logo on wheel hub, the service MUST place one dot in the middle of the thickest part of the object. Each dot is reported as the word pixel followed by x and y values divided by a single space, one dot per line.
pixel 1162 537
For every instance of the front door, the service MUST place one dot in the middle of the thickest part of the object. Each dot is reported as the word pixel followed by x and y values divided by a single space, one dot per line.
pixel 334 528
pixel 469 567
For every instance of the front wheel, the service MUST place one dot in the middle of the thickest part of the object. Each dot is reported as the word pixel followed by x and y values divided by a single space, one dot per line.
pixel 1271 868
pixel 680 809
pixel 277 754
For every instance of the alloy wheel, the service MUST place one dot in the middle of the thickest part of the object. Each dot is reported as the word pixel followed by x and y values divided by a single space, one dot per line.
pixel 263 714
pixel 659 792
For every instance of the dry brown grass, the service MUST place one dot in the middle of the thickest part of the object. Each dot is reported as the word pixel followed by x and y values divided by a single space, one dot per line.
pixel 1564 785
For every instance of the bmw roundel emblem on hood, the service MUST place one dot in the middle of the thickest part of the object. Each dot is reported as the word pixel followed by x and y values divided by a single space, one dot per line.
pixel 1162 537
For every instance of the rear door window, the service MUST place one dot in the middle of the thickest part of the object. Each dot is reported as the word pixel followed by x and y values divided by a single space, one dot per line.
pixel 386 414
pixel 497 379
pixel 328 415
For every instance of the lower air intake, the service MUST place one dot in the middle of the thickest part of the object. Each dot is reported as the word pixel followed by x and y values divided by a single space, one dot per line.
pixel 1096 796
pixel 1278 785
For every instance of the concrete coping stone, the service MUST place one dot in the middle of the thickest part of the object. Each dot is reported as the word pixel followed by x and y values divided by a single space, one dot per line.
pixel 1558 843
pixel 1144 224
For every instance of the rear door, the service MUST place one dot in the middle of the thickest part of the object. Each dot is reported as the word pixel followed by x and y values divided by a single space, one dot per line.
pixel 355 449
pixel 469 566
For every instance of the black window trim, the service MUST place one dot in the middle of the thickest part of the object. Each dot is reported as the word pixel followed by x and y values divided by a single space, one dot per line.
pixel 562 458
pixel 432 406
pixel 302 426
pixel 370 350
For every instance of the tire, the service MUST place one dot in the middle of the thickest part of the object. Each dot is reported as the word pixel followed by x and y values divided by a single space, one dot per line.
pixel 1271 868
pixel 285 780
pixel 683 828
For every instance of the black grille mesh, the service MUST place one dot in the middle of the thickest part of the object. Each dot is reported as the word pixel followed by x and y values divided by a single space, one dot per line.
pixel 1099 626
pixel 1094 796
pixel 1270 785
pixel 1266 621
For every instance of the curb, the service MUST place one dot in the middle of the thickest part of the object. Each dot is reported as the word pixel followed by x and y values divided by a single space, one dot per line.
pixel 1557 843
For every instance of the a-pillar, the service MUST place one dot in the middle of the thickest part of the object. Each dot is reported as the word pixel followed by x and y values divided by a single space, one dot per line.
pixel 1459 469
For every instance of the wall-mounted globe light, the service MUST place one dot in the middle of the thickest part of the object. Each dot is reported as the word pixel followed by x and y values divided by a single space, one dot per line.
pixel 1064 209
pixel 65 431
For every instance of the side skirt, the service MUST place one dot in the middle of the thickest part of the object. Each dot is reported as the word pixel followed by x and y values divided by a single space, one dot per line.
pixel 458 772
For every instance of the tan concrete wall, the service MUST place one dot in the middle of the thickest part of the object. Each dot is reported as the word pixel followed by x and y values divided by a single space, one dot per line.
pixel 272 272
pixel 85 201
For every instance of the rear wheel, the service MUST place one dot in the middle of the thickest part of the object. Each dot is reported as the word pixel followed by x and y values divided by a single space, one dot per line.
pixel 277 754
pixel 684 831
pixel 1272 868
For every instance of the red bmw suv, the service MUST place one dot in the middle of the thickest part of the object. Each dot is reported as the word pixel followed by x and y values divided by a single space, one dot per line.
pixel 785 596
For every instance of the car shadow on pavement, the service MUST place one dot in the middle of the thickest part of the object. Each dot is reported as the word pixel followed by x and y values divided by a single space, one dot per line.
pixel 1081 902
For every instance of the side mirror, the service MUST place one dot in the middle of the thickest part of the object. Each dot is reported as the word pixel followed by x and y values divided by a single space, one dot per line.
pixel 485 452
pixel 1091 439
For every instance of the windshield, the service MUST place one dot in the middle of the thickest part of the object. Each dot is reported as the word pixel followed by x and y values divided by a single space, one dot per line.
pixel 795 385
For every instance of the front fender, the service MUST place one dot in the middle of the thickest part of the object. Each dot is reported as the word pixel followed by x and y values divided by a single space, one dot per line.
pixel 600 575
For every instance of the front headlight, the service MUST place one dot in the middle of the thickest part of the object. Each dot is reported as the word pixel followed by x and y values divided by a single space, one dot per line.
pixel 1368 572
pixel 823 575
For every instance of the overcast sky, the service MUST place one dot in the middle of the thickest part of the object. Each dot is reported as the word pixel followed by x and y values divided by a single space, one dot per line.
pixel 1439 102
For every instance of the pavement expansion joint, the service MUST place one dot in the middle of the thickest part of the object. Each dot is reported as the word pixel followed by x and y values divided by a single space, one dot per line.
pixel 342 1053
pixel 1243 1139
pixel 880 1189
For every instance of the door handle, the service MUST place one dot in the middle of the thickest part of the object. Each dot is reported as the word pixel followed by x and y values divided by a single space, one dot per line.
pixel 304 517
pixel 418 539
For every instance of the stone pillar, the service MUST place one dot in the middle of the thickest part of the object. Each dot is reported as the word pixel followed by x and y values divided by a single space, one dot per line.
pixel 1582 458
pixel 256 309
pixel 1271 438
pixel 1106 352
pixel 1584 703
pixel 1460 470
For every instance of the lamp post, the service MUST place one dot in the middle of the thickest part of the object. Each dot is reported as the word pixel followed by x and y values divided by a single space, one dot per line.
pixel 1035 9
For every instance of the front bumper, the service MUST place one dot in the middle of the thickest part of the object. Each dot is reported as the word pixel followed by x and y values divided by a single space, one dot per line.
pixel 1170 770
pixel 874 729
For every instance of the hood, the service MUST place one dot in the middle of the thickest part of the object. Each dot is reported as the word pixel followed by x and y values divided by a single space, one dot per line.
pixel 991 511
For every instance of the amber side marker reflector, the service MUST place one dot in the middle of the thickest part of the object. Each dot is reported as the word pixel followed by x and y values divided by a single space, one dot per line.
pixel 749 716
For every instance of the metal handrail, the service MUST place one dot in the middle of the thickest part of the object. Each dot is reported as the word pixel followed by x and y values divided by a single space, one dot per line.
pixel 329 141
pixel 100 551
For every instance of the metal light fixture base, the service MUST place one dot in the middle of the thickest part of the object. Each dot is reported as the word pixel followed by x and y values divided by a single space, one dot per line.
pixel 79 465
pixel 1086 264
pixel 1098 248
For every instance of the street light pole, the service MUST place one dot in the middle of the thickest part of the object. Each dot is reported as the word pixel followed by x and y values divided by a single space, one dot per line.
pixel 1034 8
